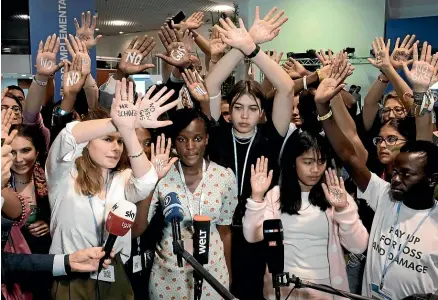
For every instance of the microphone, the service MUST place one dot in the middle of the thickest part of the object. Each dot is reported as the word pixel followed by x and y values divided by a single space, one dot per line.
pixel 273 238
pixel 201 245
pixel 173 213
pixel 119 222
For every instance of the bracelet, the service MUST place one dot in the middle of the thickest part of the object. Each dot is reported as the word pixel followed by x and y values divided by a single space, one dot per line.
pixel 40 83
pixel 326 116
pixel 427 105
pixel 67 266
pixel 254 53
pixel 136 155
pixel 320 76
pixel 305 82
pixel 382 80
pixel 419 98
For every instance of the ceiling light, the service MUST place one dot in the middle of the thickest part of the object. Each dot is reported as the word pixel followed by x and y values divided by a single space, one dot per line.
pixel 121 32
pixel 97 29
pixel 20 17
pixel 118 23
pixel 221 7
pixel 24 75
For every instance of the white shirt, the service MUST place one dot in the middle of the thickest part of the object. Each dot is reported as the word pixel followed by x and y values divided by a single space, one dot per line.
pixel 416 270
pixel 305 241
pixel 72 224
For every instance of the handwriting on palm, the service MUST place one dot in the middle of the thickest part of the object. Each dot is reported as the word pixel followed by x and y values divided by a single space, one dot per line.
pixel 334 190
pixel 178 55
pixel 160 156
pixel 401 53
pixel 86 31
pixel 135 53
pixel 260 178
pixel 421 74
pixel 198 91
pixel 46 57
pixel 123 110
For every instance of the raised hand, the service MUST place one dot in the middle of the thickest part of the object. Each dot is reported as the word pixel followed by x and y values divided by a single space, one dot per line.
pixel 260 179
pixel 235 37
pixel 195 85
pixel 294 69
pixel 6 161
pixel 266 29
pixel 78 47
pixel 85 33
pixel 192 23
pixel 6 135
pixel 177 53
pixel 46 57
pixel 423 68
pixel 160 156
pixel 150 108
pixel 381 52
pixel 401 53
pixel 325 60
pixel 74 76
pixel 123 110
pixel 334 190
pixel 217 46
pixel 333 84
pixel 274 56
pixel 138 49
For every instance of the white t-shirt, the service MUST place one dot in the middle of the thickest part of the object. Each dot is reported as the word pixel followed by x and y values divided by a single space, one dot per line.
pixel 305 241
pixel 416 270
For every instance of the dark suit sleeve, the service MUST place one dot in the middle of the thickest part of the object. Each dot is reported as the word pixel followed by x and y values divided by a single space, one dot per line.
pixel 19 267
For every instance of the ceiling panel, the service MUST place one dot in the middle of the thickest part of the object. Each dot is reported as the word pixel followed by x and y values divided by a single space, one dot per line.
pixel 146 15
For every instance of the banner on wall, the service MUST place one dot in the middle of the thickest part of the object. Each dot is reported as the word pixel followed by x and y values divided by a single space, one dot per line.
pixel 56 16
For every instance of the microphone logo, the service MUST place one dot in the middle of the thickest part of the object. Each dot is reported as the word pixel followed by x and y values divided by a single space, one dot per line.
pixel 115 206
pixel 202 241
pixel 130 215
pixel 126 225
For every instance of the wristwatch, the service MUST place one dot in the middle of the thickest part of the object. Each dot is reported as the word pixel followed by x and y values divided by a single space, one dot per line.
pixel 254 53
pixel 67 265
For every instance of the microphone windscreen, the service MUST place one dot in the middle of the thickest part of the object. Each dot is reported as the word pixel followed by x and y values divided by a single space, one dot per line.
pixel 120 218
pixel 273 238
pixel 201 238
pixel 172 208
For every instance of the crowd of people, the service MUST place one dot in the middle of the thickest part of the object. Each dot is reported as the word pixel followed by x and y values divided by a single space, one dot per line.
pixel 354 187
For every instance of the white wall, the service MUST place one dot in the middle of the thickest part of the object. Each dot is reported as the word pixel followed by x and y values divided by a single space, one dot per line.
pixel 335 24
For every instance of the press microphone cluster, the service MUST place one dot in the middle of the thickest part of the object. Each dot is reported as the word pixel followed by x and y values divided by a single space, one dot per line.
pixel 119 222
pixel 201 244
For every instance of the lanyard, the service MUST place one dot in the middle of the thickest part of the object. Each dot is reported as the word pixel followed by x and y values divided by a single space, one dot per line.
pixel 181 173
pixel 396 227
pixel 246 159
pixel 107 185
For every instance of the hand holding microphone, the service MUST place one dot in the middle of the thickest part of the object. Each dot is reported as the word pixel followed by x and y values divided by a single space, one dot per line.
pixel 119 222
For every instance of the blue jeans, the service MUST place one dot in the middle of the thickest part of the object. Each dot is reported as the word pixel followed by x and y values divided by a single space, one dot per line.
pixel 355 270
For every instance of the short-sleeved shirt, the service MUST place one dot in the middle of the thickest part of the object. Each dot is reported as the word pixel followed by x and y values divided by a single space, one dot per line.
pixel 416 270
pixel 267 143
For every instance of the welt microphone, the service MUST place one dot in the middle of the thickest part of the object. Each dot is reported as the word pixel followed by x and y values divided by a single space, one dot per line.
pixel 273 238
pixel 201 244
pixel 173 213
pixel 119 222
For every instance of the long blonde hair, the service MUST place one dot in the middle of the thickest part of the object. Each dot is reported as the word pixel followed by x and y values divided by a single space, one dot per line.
pixel 90 180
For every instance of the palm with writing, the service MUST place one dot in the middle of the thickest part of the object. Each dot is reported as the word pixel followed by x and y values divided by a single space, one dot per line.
pixel 137 51
pixel 334 190
pixel 74 76
pixel 123 110
pixel 260 179
pixel 177 54
pixel 381 52
pixel 46 57
pixel 152 107
pixel 423 68
pixel 160 156
pixel 333 83
pixel 79 48
pixel 402 52
pixel 86 31
pixel 266 29
pixel 196 88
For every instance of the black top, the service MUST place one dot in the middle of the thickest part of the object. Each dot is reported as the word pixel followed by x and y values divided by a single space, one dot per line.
pixel 267 142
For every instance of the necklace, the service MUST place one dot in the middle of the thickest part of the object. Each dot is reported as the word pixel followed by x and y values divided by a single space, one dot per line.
pixel 243 141
pixel 22 182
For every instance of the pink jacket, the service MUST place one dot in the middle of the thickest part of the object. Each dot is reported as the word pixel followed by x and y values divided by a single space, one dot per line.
pixel 345 228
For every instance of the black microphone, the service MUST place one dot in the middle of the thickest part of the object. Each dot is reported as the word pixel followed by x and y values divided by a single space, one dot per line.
pixel 173 213
pixel 273 238
pixel 201 244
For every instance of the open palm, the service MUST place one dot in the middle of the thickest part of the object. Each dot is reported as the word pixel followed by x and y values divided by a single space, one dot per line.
pixel 260 178
pixel 266 29
pixel 46 57
pixel 334 190
pixel 86 31
pixel 160 156
pixel 137 51
pixel 401 53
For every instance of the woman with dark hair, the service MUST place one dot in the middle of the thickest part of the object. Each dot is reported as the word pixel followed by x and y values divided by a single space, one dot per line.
pixel 236 145
pixel 204 188
pixel 11 101
pixel 318 218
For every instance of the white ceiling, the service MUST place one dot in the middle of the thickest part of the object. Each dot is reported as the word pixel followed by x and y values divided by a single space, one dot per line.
pixel 146 15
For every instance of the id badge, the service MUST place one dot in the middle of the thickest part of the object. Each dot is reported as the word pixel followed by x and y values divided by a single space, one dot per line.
pixel 381 294
pixel 136 264
pixel 107 275
pixel 188 246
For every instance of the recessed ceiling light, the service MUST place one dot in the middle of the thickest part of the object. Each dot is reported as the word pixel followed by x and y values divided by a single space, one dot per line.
pixel 97 29
pixel 21 17
pixel 221 7
pixel 118 23
pixel 24 75
pixel 121 32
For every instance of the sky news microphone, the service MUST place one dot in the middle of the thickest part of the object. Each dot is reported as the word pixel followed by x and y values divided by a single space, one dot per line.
pixel 201 245
pixel 273 238
pixel 119 222
pixel 173 213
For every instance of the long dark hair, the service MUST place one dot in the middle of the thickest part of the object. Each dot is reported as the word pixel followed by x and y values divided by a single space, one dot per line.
pixel 250 87
pixel 290 191
pixel 34 135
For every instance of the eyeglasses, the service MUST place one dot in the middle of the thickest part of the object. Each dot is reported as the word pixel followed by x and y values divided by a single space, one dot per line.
pixel 15 108
pixel 398 110
pixel 390 140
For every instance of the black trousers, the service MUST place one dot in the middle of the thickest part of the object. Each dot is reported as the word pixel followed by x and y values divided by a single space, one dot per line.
pixel 248 267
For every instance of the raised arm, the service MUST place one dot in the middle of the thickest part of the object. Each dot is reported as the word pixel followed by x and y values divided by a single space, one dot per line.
pixel 197 90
